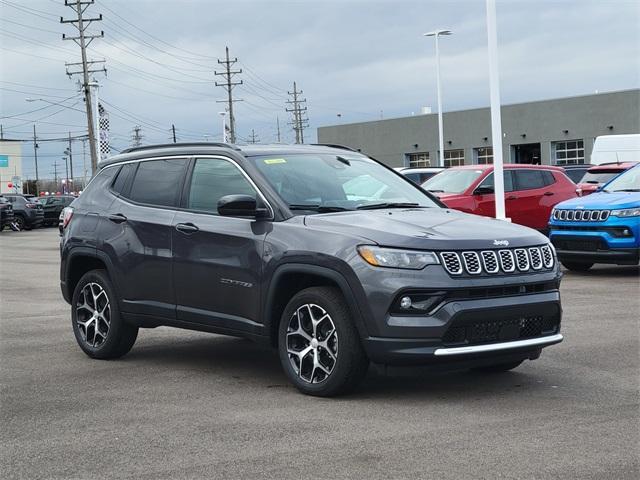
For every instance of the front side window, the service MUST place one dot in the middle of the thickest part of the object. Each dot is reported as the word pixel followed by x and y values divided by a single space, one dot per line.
pixel 158 182
pixel 452 181
pixel 340 182
pixel 508 181
pixel 212 179
pixel 529 179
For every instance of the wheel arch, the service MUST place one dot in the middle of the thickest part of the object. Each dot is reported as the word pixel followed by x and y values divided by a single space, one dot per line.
pixel 290 279
pixel 79 262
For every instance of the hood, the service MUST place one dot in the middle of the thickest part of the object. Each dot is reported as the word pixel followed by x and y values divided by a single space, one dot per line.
pixel 426 228
pixel 603 200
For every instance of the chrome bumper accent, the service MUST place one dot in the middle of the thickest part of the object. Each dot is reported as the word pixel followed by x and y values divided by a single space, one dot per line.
pixel 531 342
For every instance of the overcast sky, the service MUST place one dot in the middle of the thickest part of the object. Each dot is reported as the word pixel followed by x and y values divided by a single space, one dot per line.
pixel 362 59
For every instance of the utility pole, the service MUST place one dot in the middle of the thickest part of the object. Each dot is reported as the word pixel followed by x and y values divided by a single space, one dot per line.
pixel 299 122
pixel 136 136
pixel 278 127
pixel 66 178
pixel 55 174
pixel 35 153
pixel 1 133
pixel 83 40
pixel 254 138
pixel 173 130
pixel 228 85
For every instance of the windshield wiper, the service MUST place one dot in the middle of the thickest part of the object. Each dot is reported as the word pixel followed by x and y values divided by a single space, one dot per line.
pixel 317 208
pixel 628 190
pixel 435 191
pixel 375 206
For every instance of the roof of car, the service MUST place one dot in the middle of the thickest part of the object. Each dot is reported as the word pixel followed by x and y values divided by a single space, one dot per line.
pixel 612 166
pixel 575 166
pixel 419 169
pixel 209 148
pixel 512 166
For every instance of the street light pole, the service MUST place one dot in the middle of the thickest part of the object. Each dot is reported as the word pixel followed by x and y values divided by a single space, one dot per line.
pixel 496 119
pixel 436 34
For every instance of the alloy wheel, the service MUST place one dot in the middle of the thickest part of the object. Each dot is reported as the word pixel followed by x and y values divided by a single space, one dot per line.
pixel 93 314
pixel 312 343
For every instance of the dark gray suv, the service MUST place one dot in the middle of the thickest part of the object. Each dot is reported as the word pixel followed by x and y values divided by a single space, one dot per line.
pixel 331 257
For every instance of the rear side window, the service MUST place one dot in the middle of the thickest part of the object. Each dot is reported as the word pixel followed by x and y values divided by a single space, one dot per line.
pixel 548 177
pixel 122 181
pixel 158 182
pixel 211 180
pixel 528 179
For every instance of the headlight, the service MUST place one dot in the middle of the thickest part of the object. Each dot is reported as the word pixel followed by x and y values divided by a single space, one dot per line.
pixel 395 258
pixel 626 212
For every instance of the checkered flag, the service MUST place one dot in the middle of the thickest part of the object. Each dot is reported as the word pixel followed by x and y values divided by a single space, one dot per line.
pixel 103 132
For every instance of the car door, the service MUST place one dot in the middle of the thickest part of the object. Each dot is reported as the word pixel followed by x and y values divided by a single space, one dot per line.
pixel 485 203
pixel 217 260
pixel 136 233
pixel 526 204
pixel 52 207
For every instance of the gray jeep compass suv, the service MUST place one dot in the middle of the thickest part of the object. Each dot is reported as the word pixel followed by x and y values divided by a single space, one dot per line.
pixel 322 252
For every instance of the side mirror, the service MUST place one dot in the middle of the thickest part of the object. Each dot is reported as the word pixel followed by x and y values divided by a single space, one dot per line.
pixel 241 206
pixel 483 191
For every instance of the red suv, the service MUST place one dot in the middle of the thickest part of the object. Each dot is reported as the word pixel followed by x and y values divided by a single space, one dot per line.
pixel 531 191
pixel 598 175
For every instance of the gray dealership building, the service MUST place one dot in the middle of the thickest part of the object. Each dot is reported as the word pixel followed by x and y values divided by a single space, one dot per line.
pixel 558 131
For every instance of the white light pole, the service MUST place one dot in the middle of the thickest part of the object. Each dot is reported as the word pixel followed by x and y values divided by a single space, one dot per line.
pixel 496 120
pixel 224 126
pixel 436 34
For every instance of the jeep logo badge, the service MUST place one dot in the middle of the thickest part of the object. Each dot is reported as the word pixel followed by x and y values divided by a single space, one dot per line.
pixel 501 243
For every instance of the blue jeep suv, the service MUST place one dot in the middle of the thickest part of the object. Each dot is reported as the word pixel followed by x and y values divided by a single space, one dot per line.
pixel 601 228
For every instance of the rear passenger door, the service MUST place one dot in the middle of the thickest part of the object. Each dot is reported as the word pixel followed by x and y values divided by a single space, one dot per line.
pixel 137 233
pixel 217 261
pixel 527 205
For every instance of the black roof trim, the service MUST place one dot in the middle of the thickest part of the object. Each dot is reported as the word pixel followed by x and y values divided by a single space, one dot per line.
pixel 335 145
pixel 178 145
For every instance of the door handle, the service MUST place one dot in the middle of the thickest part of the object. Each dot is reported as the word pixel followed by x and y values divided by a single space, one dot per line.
pixel 117 218
pixel 187 228
pixel 512 197
pixel 547 194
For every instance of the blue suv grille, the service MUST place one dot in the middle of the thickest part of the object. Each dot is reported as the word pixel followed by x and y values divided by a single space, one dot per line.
pixel 581 215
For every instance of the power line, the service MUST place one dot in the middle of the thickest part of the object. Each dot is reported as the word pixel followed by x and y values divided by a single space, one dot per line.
pixel 228 85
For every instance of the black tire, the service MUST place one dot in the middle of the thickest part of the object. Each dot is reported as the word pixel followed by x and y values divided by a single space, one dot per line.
pixel 120 336
pixel 501 367
pixel 20 222
pixel 577 266
pixel 351 362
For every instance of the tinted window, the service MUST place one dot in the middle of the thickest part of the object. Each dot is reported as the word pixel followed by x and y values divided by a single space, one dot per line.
pixel 529 179
pixel 121 183
pixel 575 174
pixel 508 181
pixel 548 177
pixel 157 182
pixel 211 180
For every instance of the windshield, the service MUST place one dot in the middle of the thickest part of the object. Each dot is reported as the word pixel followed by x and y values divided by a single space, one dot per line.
pixel 452 181
pixel 629 181
pixel 599 177
pixel 337 182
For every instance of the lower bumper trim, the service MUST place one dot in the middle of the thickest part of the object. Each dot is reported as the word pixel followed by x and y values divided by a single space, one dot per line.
pixel 531 342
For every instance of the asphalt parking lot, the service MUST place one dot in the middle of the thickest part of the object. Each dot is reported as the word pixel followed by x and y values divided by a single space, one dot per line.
pixel 194 405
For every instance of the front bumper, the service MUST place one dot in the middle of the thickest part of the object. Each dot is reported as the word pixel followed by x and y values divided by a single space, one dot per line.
pixel 469 333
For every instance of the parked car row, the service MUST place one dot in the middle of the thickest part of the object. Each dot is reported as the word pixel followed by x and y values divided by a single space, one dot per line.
pixel 26 212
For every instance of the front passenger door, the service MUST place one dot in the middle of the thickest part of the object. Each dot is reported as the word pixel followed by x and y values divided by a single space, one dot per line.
pixel 217 261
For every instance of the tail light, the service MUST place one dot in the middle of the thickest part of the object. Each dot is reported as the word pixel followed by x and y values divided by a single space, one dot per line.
pixel 31 205
pixel 67 214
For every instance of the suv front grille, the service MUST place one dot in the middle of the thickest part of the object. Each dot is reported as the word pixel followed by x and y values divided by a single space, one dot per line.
pixel 493 262
pixel 581 215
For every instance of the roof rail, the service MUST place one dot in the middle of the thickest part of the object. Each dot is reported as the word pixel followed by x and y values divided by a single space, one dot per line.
pixel 185 144
pixel 335 145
